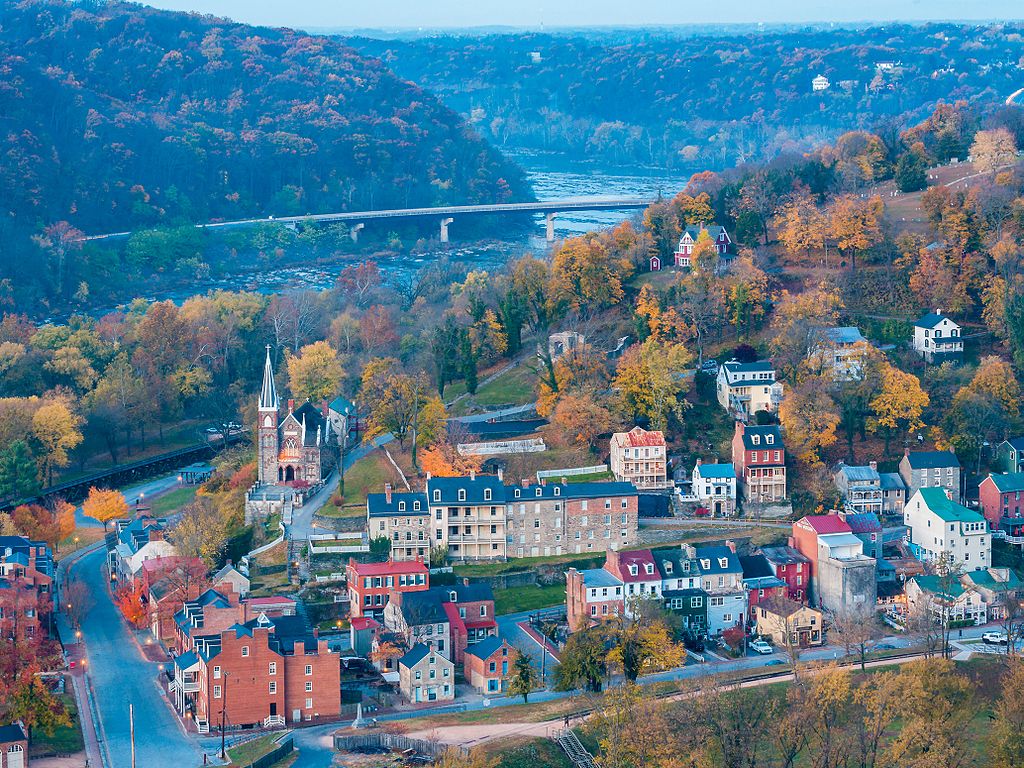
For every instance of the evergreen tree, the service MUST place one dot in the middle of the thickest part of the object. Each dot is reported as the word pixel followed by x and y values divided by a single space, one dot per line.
pixel 18 477
pixel 911 174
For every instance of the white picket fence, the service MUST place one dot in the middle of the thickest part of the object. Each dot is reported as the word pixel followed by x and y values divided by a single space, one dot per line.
pixel 544 474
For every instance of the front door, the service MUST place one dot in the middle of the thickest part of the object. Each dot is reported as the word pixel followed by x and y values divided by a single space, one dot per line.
pixel 16 756
pixel 273 709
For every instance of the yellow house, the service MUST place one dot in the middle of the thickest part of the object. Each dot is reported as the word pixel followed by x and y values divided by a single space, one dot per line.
pixel 779 616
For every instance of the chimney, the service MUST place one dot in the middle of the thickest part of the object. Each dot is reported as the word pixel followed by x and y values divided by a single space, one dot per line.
pixel 525 482
pixel 699 462
pixel 291 405
pixel 428 476
pixel 387 492
pixel 873 464
pixel 501 475
pixel 544 481
pixel 731 545
pixel 791 541
pixel 612 562
pixel 689 550
pixel 906 451
pixel 472 474
pixel 565 481
pixel 465 581
pixel 316 633
pixel 949 494
pixel 938 311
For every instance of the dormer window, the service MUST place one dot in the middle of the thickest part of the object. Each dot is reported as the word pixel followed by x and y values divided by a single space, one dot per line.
pixel 401 506
pixel 649 568
pixel 723 562
pixel 462 494
pixel 667 565
pixel 633 570
pixel 705 564
pixel 437 494
pixel 487 494
pixel 558 491
pixel 769 438
pixel 517 493
pixel 686 565
pixel 453 596
pixel 416 506
pixel 755 439
pixel 539 490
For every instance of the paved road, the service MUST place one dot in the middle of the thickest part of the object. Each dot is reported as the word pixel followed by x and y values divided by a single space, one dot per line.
pixel 302 520
pixel 120 674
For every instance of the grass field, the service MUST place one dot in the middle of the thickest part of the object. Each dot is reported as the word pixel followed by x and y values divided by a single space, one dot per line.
pixel 173 501
pixel 529 598
pixel 528 753
pixel 246 754
pixel 66 740
pixel 517 386
pixel 368 475
pixel 82 537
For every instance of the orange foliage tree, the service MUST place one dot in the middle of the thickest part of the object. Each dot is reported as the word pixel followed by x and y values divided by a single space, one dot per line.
pixel 105 504
pixel 444 460
pixel 129 601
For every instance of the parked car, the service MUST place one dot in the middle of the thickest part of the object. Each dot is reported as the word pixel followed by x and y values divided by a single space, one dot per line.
pixel 994 638
pixel 774 662
pixel 761 647
pixel 693 643
pixel 702 512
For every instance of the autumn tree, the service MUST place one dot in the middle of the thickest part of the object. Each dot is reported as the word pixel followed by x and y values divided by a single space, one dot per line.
pixel 798 322
pixel 315 373
pixel 993 149
pixel 580 418
pixel 1006 737
pixel 444 460
pixel 634 730
pixel 104 505
pixel 38 708
pixel 810 417
pixel 201 532
pixel 128 599
pixel 855 224
pixel 392 398
pixel 55 430
pixel 937 705
pixel 76 601
pixel 899 404
pixel 524 677
pixel 649 380
pixel 584 662
pixel 801 227
pixel 584 276
pixel 643 644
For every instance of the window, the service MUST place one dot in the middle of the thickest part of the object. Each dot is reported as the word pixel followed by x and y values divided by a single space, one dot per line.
pixel 216 691
pixel 558 492
pixel 727 617
pixel 245 651
pixel 419 675
pixel 216 673
pixel 483 610
pixel 309 703
pixel 462 494
pixel 437 497
pixel 309 686
pixel 273 668
pixel 309 669
pixel 273 686
pixel 401 506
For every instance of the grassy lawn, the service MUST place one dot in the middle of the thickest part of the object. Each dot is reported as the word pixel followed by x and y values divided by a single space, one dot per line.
pixel 343 542
pixel 246 754
pixel 516 386
pixel 173 501
pixel 593 477
pixel 66 740
pixel 82 537
pixel 346 510
pixel 368 475
pixel 527 753
pixel 528 598
pixel 520 564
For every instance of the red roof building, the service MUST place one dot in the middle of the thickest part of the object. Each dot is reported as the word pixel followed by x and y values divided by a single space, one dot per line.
pixel 637 570
pixel 370 583
pixel 805 537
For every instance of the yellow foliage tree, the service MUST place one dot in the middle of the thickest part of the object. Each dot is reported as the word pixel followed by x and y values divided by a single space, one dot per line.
pixel 995 378
pixel 201 532
pixel 581 418
pixel 55 428
pixel 634 731
pixel 315 373
pixel 444 460
pixel 649 379
pixel 899 404
pixel 105 504
pixel 798 321
pixel 993 149
pixel 810 417
pixel 855 224
pixel 584 275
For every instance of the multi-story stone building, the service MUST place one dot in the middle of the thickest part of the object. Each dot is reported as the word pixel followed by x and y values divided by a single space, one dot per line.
pixel 480 518
pixel 931 469
pixel 639 457
pixel 860 486
pixel 426 675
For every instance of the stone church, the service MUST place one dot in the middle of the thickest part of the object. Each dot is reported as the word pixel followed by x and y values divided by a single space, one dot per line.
pixel 296 450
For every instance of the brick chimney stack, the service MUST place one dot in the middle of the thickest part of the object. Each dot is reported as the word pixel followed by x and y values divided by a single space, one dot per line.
pixel 873 464
pixel 387 492
pixel 291 405
pixel 612 563
pixel 731 545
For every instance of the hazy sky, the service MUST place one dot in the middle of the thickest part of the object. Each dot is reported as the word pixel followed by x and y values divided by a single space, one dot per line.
pixel 390 14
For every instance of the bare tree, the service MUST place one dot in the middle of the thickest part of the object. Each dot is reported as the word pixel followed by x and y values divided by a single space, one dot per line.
pixel 77 601
pixel 857 629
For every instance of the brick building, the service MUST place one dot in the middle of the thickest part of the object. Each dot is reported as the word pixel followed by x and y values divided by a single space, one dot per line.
pixel 761 583
pixel 403 518
pixel 13 746
pixel 639 457
pixel 27 587
pixel 591 596
pixel 759 458
pixel 448 619
pixel 371 584
pixel 792 567
pixel 488 665
pixel 1000 497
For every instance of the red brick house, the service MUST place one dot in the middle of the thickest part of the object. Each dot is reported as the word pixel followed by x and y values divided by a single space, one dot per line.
pixel 489 664
pixel 167 583
pixel 759 458
pixel 1000 497
pixel 13 746
pixel 470 611
pixel 370 583
pixel 761 583
pixel 637 571
pixel 792 567
pixel 27 591
pixel 264 671
pixel 592 596
pixel 805 537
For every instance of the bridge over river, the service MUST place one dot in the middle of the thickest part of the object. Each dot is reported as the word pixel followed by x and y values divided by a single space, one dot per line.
pixel 445 215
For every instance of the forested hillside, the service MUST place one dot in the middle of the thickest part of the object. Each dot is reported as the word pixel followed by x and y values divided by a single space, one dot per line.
pixel 640 96
pixel 119 116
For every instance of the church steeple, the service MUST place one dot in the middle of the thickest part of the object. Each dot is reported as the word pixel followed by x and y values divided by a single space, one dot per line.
pixel 268 394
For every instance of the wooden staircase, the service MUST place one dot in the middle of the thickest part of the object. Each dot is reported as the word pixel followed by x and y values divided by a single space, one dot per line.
pixel 571 745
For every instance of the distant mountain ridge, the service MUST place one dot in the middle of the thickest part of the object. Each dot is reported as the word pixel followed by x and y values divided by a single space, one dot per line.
pixel 117 116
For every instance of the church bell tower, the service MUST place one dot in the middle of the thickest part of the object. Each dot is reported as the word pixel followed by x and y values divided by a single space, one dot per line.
pixel 266 429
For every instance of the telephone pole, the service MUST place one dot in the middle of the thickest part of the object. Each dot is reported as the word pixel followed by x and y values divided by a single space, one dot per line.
pixel 131 729
pixel 223 712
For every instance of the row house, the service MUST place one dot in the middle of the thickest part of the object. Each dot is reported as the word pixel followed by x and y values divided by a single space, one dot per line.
pixel 937 338
pixel 792 567
pixel 789 623
pixel 591 596
pixel 759 459
pixel 761 583
pixel 868 528
pixel 931 469
pixel 426 675
pixel 27 587
pixel 447 619
pixel 722 580
pixel 167 583
pixel 132 542
pixel 860 487
pixel 743 389
pixel 681 588
pixel 488 665
pixel 941 528
pixel 841 575
pixel 894 493
pixel 1000 497
pixel 638 573
pixel 403 519
pixel 262 672
pixel 1010 455
pixel 468 516
pixel 371 584
pixel 714 485
pixel 639 457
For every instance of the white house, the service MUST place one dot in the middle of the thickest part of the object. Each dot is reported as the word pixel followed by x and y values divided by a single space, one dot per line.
pixel 743 389
pixel 937 338
pixel 841 349
pixel 938 526
pixel 820 83
pixel 946 602
pixel 714 485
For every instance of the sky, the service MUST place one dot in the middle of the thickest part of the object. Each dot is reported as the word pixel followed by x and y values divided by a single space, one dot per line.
pixel 395 14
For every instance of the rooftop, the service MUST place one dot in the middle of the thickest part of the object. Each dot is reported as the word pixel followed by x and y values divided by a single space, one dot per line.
pixel 377 504
pixel 389 567
pixel 717 471
pixel 715 554
pixel 485 647
pixel 599 577
pixel 859 474
pixel 1014 481
pixel 864 522
pixel 638 437
pixel 784 555
pixel 845 334
pixel 946 509
pixel 762 433
pixel 932 319
pixel 821 524
pixel 932 459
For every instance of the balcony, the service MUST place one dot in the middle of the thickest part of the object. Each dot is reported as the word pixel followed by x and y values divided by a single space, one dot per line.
pixel 185 684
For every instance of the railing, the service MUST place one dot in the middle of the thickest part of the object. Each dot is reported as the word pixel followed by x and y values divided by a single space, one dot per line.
pixel 572 747
pixel 185 686
pixel 273 721
pixel 202 726
pixel 543 474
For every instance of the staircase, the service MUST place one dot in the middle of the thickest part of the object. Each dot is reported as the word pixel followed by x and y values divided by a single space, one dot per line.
pixel 571 745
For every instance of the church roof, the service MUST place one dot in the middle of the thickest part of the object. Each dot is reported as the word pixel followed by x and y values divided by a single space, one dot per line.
pixel 268 394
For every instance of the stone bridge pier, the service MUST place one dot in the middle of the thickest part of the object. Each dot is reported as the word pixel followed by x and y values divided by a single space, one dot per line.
pixel 444 228
pixel 550 221
pixel 354 230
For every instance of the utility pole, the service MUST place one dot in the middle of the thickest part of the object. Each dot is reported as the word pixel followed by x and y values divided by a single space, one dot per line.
pixel 131 729
pixel 223 712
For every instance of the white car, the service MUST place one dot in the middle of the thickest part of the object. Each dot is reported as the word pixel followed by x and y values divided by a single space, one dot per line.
pixel 994 638
pixel 761 647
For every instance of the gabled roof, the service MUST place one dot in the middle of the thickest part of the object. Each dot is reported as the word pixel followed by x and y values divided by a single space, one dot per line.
pixel 713 230
pixel 932 319
pixel 389 567
pixel 934 585
pixel 359 623
pixel 569 491
pixel 932 459
pixel 784 555
pixel 762 433
pixel 781 605
pixel 342 406
pixel 1013 481
pixel 641 558
pixel 859 474
pixel 486 647
pixel 825 524
pixel 312 420
pixel 987 579
pixel 1016 443
pixel 844 334
pixel 946 509
pixel 414 655
pixel 377 504
pixel 12 732
pixel 761 366
pixel 639 437
pixel 715 554
pixel 891 481
pixel 475 591
pixel 473 486
pixel 678 560
pixel 717 471
pixel 425 607
pixel 864 522
pixel 756 567
pixel 599 577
